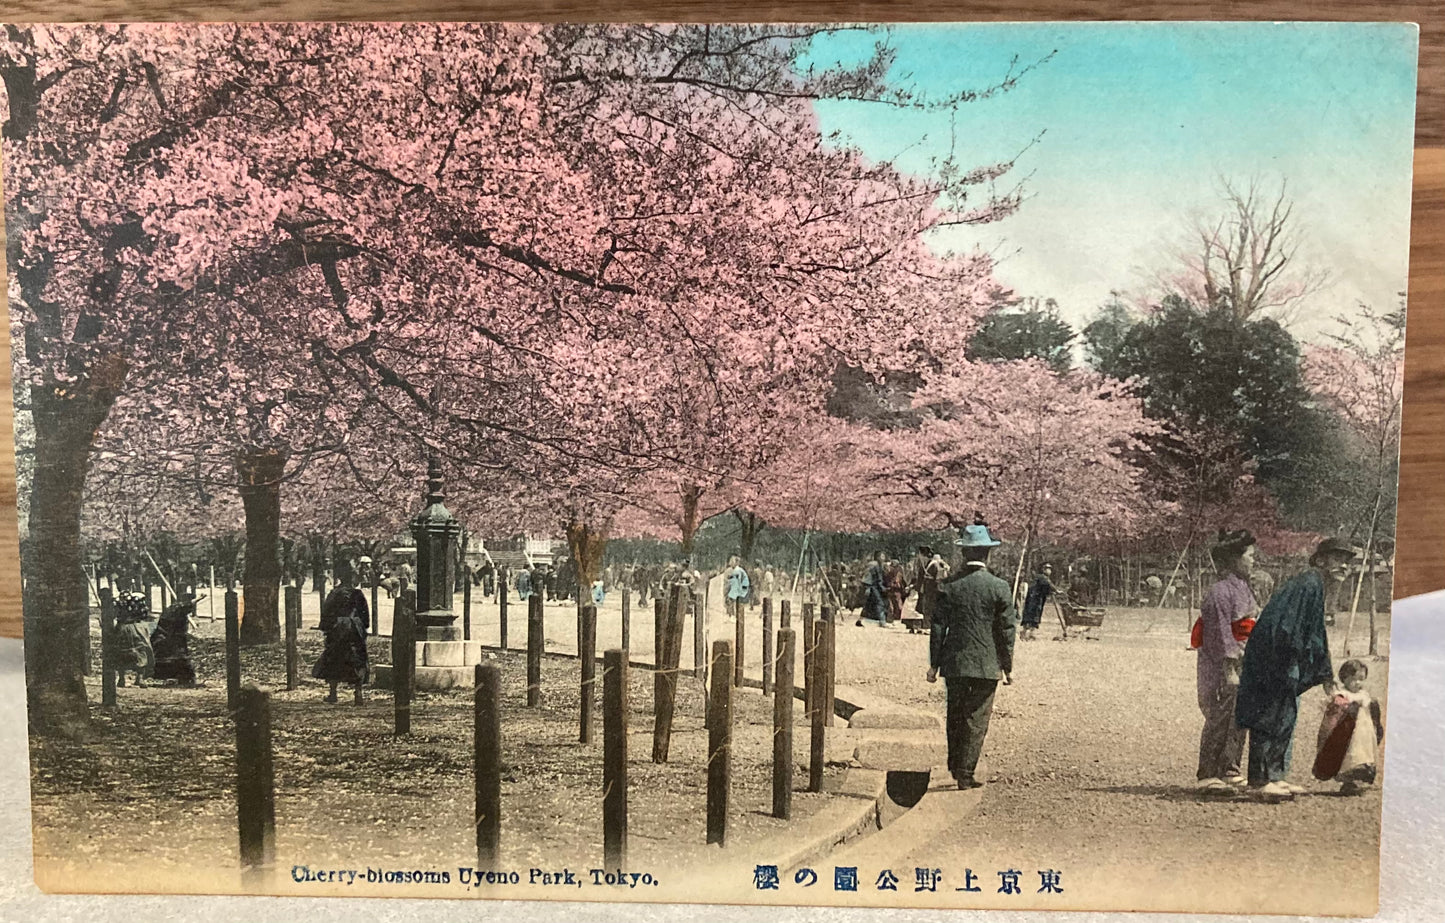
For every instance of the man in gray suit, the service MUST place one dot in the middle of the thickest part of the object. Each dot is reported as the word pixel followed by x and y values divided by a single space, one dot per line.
pixel 972 642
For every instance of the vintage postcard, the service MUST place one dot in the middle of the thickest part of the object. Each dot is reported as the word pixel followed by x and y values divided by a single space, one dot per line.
pixel 910 466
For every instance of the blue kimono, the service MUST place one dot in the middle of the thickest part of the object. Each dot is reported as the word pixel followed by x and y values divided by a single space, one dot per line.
pixel 1287 653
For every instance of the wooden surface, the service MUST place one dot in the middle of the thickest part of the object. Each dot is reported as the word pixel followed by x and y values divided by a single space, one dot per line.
pixel 1420 559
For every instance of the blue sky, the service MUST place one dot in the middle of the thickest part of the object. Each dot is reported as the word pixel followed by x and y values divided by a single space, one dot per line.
pixel 1141 122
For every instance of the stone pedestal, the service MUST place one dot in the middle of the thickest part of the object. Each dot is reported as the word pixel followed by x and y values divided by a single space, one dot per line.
pixel 440 665
pixel 437 626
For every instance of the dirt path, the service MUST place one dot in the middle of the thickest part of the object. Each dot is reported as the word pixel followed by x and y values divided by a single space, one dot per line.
pixel 151 797
pixel 1092 754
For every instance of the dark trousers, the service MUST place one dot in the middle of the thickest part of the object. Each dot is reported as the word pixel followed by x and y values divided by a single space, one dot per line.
pixel 1269 756
pixel 1221 743
pixel 970 705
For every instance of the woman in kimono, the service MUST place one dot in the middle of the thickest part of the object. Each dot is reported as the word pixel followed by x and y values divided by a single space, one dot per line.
pixel 895 586
pixel 345 618
pixel 1288 654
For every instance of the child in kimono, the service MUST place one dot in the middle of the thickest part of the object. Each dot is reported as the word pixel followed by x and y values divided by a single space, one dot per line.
pixel 1350 733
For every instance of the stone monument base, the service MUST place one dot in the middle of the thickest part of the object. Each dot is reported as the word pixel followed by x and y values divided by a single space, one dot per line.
pixel 440 665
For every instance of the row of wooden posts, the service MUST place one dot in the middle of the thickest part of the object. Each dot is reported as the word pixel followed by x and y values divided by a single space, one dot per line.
pixel 250 707
pixel 725 672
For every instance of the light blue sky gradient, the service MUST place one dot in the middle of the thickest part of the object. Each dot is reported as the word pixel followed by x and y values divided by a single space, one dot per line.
pixel 1141 122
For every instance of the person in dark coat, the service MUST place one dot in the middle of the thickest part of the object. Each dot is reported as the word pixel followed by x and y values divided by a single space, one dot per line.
pixel 875 591
pixel 1288 653
pixel 1040 589
pixel 345 618
pixel 133 651
pixel 171 642
pixel 971 644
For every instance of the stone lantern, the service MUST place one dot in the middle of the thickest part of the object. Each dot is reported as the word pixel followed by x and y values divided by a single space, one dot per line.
pixel 435 532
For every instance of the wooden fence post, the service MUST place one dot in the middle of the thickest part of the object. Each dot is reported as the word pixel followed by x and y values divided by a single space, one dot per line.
pixel 785 614
pixel 467 603
pixel 626 619
pixel 719 743
pixel 487 754
pixel 255 786
pixel 815 709
pixel 536 625
pixel 827 651
pixel 107 647
pixel 614 759
pixel 783 726
pixel 587 655
pixel 767 645
pixel 699 635
pixel 740 636
pixel 502 606
pixel 810 654
pixel 293 618
pixel 667 666
pixel 233 651
pixel 375 607
pixel 320 592
pixel 659 667
pixel 403 658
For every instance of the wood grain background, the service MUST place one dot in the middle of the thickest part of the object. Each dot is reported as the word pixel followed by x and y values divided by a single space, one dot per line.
pixel 1420 559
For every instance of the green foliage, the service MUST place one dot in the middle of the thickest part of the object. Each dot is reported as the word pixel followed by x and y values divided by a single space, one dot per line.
pixel 1220 380
pixel 1036 332
pixel 1104 335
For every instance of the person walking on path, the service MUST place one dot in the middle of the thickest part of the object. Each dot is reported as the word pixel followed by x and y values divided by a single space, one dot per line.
pixel 345 618
pixel 1040 589
pixel 971 644
pixel 1225 611
pixel 933 571
pixel 738 588
pixel 875 600
pixel 1288 654
pixel 524 585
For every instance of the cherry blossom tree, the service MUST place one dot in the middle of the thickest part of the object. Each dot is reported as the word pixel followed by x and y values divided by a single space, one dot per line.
pixel 415 209
pixel 1360 374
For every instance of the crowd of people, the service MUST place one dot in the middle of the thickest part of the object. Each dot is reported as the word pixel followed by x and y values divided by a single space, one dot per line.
pixel 1254 662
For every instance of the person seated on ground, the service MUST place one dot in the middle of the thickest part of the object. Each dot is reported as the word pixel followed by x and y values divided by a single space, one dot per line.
pixel 345 618
pixel 1347 740
pixel 171 642
pixel 133 651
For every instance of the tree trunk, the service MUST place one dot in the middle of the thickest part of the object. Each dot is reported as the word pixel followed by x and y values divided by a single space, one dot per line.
pixel 586 544
pixel 1374 607
pixel 691 498
pixel 260 473
pixel 56 600
pixel 750 526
